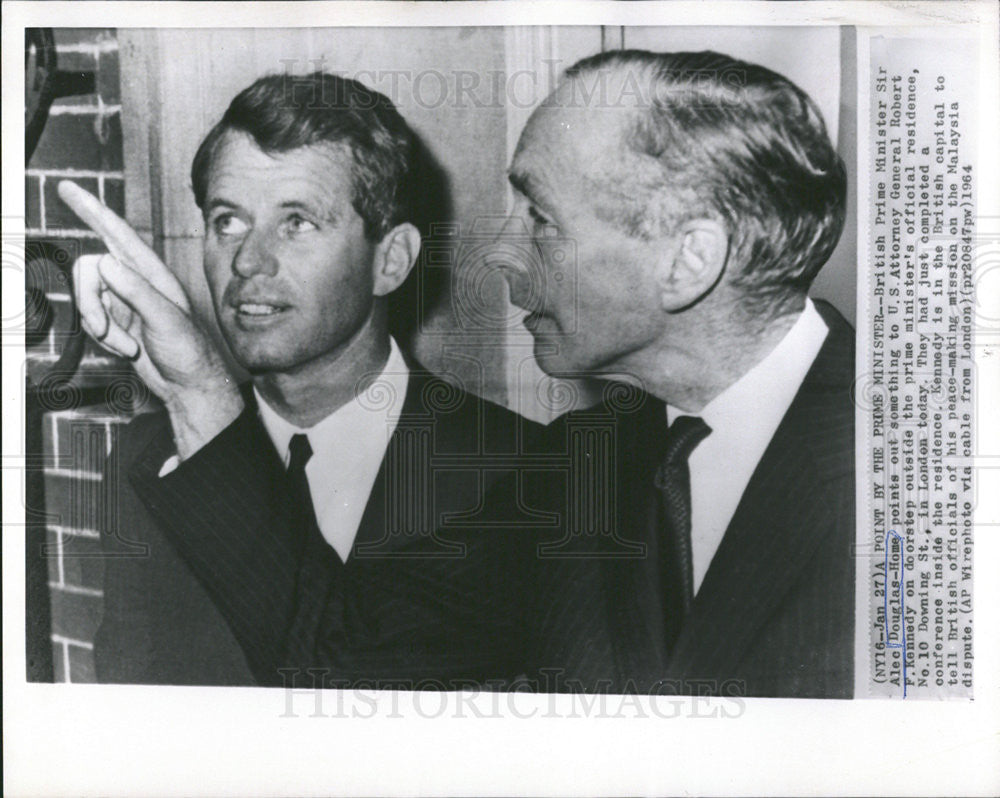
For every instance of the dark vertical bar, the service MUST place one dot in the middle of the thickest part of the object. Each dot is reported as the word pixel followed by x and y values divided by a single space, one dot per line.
pixel 38 610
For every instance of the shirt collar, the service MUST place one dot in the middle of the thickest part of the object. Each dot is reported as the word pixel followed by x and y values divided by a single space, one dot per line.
pixel 369 409
pixel 764 393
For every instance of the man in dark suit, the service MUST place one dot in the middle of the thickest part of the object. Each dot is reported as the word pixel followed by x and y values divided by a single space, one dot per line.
pixel 710 549
pixel 327 521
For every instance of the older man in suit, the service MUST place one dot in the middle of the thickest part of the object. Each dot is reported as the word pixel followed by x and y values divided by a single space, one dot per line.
pixel 326 518
pixel 703 195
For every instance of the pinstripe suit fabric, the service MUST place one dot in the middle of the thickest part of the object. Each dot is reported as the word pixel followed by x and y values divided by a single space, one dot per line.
pixel 548 577
pixel 775 613
pixel 425 596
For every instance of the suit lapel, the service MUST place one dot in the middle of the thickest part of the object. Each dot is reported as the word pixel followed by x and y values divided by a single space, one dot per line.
pixel 776 527
pixel 380 533
pixel 781 519
pixel 636 634
pixel 372 531
pixel 410 495
pixel 778 524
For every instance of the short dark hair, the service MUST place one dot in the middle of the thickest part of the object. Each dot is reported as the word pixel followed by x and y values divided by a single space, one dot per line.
pixel 739 141
pixel 284 112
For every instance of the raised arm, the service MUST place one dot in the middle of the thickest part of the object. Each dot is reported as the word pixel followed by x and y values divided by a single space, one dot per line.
pixel 221 507
pixel 134 306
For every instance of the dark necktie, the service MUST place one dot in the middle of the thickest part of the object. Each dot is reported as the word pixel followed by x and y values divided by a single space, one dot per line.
pixel 302 517
pixel 316 565
pixel 673 479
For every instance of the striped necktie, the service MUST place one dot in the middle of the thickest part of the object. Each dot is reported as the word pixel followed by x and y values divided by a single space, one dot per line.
pixel 673 479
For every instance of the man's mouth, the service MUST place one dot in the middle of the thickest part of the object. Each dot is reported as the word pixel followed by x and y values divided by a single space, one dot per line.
pixel 259 315
pixel 258 309
pixel 532 320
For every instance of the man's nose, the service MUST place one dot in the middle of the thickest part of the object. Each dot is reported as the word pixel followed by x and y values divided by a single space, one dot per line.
pixel 515 255
pixel 509 247
pixel 256 256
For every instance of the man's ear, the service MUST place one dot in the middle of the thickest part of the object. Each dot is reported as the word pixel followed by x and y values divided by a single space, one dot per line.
pixel 695 264
pixel 394 257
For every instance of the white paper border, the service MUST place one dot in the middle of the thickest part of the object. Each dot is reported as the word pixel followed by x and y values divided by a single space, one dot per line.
pixel 90 739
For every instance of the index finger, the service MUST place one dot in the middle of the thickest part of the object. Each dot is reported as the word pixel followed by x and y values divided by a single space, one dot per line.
pixel 123 242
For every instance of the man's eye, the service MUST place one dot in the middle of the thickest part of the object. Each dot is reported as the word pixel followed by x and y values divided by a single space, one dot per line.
pixel 538 217
pixel 299 224
pixel 228 224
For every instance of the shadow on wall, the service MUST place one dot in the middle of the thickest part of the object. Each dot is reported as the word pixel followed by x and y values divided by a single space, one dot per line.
pixel 426 292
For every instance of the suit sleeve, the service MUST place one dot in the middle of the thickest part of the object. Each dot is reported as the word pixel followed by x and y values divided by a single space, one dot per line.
pixel 221 510
pixel 123 646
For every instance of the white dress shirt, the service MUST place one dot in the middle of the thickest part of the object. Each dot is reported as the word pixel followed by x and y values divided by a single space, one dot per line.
pixel 743 419
pixel 348 447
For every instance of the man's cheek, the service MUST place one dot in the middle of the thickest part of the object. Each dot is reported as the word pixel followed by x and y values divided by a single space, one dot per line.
pixel 213 270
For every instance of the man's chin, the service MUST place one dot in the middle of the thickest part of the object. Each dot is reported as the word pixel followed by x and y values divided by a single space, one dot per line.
pixel 259 360
pixel 258 351
pixel 262 361
pixel 560 362
pixel 555 364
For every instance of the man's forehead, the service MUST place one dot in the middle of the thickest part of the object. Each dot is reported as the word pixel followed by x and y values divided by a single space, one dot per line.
pixel 577 138
pixel 238 155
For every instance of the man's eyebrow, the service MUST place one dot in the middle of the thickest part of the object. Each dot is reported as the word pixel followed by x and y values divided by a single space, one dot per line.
pixel 299 204
pixel 323 211
pixel 521 182
pixel 531 188
pixel 219 202
pixel 328 214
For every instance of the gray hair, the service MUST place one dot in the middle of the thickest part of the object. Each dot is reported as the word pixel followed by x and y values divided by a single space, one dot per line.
pixel 737 141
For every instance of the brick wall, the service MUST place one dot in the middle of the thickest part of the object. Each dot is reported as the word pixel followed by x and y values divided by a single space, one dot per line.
pixel 82 140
